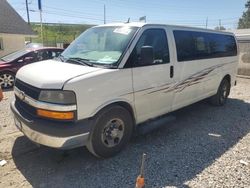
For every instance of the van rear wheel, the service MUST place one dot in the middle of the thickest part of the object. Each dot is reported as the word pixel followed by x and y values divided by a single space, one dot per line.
pixel 220 98
pixel 112 131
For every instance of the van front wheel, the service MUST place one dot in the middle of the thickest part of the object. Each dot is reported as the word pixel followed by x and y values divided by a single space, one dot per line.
pixel 220 98
pixel 112 131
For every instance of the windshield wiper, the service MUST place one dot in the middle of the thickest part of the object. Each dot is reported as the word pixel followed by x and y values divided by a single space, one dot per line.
pixel 61 57
pixel 109 66
pixel 80 61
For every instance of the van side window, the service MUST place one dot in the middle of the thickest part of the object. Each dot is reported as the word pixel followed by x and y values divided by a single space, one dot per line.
pixel 191 45
pixel 222 45
pixel 201 46
pixel 155 38
pixel 185 45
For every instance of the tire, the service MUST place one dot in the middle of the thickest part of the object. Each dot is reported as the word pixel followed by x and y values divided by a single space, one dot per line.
pixel 111 133
pixel 7 80
pixel 220 98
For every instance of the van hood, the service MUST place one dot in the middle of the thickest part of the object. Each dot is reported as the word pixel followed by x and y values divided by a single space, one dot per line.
pixel 51 74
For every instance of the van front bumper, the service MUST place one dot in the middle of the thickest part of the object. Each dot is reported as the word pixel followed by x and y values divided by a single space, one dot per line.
pixel 62 135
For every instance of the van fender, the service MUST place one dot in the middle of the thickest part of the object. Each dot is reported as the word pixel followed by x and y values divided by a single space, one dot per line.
pixel 112 102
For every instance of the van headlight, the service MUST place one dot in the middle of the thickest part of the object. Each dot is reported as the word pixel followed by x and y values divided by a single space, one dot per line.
pixel 57 97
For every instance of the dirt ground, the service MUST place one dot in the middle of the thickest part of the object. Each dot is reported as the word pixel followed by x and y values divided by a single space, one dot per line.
pixel 205 147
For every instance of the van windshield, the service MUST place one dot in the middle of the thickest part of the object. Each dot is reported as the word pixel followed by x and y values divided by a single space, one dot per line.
pixel 100 45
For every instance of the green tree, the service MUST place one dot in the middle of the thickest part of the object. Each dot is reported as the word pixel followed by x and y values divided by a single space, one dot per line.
pixel 244 21
pixel 54 33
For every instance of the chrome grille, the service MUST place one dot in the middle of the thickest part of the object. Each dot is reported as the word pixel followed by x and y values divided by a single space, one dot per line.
pixel 29 90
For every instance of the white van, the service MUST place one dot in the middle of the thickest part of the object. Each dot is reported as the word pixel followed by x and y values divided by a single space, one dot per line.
pixel 114 77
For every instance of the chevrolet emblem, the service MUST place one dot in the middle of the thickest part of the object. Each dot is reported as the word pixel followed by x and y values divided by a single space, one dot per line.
pixel 22 95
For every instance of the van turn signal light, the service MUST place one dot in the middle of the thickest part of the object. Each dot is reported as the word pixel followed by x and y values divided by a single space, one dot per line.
pixel 55 114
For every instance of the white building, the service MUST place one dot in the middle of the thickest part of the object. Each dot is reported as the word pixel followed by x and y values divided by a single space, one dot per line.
pixel 13 29
pixel 243 38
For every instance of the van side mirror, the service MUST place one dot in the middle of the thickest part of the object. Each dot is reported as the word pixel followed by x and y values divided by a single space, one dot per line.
pixel 147 55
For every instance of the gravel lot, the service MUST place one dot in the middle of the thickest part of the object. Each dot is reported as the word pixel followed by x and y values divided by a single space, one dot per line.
pixel 205 147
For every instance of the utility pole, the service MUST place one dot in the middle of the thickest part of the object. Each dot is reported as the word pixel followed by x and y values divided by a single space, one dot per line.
pixel 206 22
pixel 28 14
pixel 41 25
pixel 219 24
pixel 27 9
pixel 104 11
pixel 41 20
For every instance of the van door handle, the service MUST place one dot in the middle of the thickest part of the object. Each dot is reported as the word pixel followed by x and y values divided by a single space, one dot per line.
pixel 171 71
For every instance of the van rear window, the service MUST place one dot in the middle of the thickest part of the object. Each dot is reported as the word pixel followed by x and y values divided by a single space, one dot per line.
pixel 192 45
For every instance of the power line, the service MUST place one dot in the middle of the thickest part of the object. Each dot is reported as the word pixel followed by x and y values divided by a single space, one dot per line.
pixel 80 12
pixel 71 15
pixel 122 4
pixel 184 22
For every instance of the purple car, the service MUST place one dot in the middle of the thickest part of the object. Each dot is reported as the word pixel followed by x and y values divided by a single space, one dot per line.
pixel 10 64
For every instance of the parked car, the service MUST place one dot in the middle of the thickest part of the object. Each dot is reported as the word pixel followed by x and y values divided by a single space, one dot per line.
pixel 116 78
pixel 10 64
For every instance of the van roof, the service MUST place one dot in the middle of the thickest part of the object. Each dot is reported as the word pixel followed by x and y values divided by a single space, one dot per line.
pixel 141 24
pixel 131 24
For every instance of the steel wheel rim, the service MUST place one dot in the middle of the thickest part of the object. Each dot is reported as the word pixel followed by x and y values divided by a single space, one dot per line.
pixel 113 132
pixel 6 80
pixel 224 93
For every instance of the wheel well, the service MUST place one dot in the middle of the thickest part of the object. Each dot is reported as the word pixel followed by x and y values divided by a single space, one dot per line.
pixel 228 78
pixel 8 71
pixel 125 105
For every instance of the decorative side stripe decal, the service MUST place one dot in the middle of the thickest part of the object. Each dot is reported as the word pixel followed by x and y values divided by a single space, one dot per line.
pixel 180 86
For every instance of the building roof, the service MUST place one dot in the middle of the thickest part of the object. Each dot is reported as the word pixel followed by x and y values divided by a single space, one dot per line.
pixel 242 34
pixel 11 22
